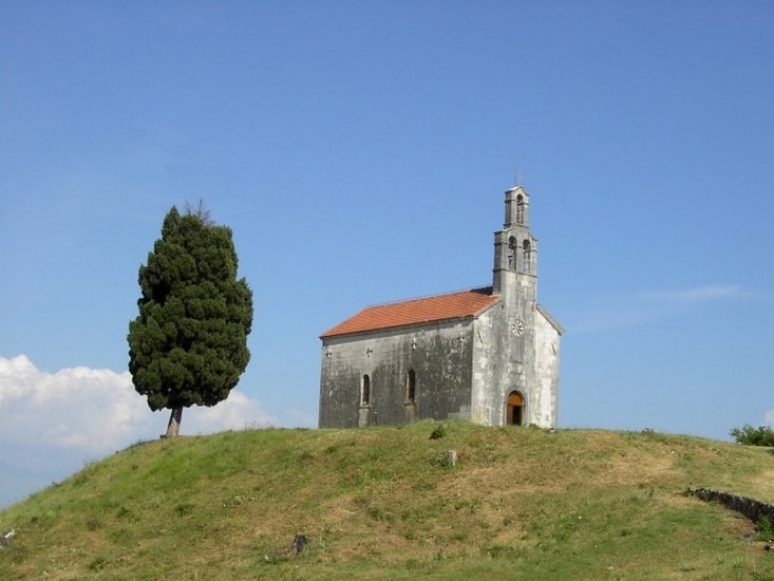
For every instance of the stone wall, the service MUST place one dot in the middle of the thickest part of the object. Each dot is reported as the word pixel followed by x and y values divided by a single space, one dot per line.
pixel 440 355
pixel 544 390
pixel 486 400
pixel 516 349
pixel 749 507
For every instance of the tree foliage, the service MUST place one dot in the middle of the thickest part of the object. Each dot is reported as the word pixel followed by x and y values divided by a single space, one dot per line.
pixel 188 346
pixel 751 436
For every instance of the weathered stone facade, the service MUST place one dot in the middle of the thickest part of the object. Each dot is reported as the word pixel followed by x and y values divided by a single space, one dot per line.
pixel 490 355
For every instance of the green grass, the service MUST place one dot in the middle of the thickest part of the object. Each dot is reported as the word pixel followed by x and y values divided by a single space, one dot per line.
pixel 383 503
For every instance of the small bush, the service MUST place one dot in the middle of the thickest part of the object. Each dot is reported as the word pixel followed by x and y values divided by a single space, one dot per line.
pixel 184 509
pixel 765 529
pixel 438 432
pixel 751 436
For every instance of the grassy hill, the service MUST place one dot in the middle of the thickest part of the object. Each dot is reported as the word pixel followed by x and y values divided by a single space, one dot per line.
pixel 383 503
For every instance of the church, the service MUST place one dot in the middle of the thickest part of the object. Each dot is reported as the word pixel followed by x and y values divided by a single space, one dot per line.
pixel 489 354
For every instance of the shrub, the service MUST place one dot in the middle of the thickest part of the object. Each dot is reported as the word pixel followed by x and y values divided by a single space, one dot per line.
pixel 184 509
pixel 765 529
pixel 438 432
pixel 98 564
pixel 751 436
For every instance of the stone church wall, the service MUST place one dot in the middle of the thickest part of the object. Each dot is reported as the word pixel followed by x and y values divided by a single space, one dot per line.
pixel 440 354
pixel 505 361
pixel 487 407
pixel 546 371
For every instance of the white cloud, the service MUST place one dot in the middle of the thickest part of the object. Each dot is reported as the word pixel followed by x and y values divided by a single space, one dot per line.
pixel 52 423
pixel 93 409
pixel 236 413
pixel 97 410
pixel 770 418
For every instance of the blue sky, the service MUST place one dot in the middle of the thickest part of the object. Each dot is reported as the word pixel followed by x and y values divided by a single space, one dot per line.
pixel 359 151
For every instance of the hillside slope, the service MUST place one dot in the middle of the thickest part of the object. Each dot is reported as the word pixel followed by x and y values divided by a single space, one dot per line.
pixel 384 503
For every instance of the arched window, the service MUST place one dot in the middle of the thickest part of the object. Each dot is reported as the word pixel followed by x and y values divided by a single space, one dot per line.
pixel 365 391
pixel 411 386
pixel 527 250
pixel 520 209
pixel 512 246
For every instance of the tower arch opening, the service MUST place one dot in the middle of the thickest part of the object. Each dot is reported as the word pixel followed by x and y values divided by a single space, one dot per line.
pixel 527 255
pixel 520 210
pixel 513 246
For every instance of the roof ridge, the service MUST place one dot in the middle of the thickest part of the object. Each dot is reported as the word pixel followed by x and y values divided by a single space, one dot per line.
pixel 451 305
pixel 432 296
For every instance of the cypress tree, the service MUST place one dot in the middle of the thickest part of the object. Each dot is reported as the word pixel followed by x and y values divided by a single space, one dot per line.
pixel 188 345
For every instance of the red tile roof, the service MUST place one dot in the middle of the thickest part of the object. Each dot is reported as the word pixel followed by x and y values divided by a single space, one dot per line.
pixel 416 311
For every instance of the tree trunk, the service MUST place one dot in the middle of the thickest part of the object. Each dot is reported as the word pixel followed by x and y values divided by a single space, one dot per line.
pixel 173 428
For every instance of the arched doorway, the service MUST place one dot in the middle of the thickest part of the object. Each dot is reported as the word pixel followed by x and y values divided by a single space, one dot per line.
pixel 514 409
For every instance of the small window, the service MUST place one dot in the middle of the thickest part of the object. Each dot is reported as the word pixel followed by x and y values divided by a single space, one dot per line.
pixel 411 386
pixel 365 391
pixel 520 209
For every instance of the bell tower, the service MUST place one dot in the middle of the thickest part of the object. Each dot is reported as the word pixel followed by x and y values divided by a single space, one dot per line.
pixel 519 390
pixel 515 255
